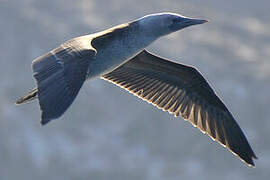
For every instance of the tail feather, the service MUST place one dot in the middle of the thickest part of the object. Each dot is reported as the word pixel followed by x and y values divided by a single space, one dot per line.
pixel 31 95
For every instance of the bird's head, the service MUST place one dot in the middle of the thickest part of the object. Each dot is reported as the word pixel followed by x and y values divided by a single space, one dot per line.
pixel 161 24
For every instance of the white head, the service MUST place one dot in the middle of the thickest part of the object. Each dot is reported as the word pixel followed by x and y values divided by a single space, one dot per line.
pixel 161 24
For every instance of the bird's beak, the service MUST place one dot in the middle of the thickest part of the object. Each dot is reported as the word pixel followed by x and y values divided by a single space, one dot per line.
pixel 192 21
pixel 183 22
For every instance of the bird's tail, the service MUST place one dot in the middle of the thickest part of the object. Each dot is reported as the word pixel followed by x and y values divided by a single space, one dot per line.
pixel 31 95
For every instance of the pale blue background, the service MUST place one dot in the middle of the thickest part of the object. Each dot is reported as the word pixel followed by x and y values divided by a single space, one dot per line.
pixel 110 134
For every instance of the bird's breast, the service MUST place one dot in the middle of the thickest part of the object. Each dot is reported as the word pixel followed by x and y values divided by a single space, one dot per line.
pixel 113 55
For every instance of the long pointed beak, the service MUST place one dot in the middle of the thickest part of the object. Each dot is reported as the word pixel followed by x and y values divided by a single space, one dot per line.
pixel 183 22
pixel 192 21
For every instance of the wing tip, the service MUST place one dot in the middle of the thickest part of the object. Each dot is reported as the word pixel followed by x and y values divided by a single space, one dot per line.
pixel 47 117
pixel 44 120
pixel 248 157
pixel 251 162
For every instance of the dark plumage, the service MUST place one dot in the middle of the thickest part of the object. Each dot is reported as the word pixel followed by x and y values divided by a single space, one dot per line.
pixel 118 55
pixel 181 90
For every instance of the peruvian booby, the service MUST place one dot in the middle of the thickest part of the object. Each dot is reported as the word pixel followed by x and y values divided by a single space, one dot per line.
pixel 118 55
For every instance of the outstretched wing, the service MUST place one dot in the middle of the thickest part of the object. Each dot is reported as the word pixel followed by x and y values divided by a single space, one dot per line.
pixel 60 75
pixel 182 90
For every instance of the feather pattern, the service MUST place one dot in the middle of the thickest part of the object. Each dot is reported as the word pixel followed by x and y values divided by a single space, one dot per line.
pixel 60 74
pixel 181 90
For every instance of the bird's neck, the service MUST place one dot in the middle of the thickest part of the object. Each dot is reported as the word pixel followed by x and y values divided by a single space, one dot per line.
pixel 127 36
pixel 116 46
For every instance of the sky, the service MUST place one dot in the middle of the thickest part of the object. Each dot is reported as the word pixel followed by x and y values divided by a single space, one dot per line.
pixel 109 133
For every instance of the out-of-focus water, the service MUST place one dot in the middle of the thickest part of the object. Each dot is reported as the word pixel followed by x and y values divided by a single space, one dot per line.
pixel 110 134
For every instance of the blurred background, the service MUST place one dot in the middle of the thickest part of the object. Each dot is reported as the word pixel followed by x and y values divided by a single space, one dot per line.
pixel 111 134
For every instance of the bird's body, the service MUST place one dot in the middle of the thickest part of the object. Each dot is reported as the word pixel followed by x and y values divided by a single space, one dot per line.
pixel 118 55
pixel 116 46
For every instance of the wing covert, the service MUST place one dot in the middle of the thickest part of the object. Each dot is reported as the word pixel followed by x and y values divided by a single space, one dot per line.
pixel 59 75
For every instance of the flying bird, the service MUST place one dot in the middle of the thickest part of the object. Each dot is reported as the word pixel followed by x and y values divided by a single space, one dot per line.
pixel 118 55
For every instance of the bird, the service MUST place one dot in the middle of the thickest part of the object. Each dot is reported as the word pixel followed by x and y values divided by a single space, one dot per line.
pixel 119 55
